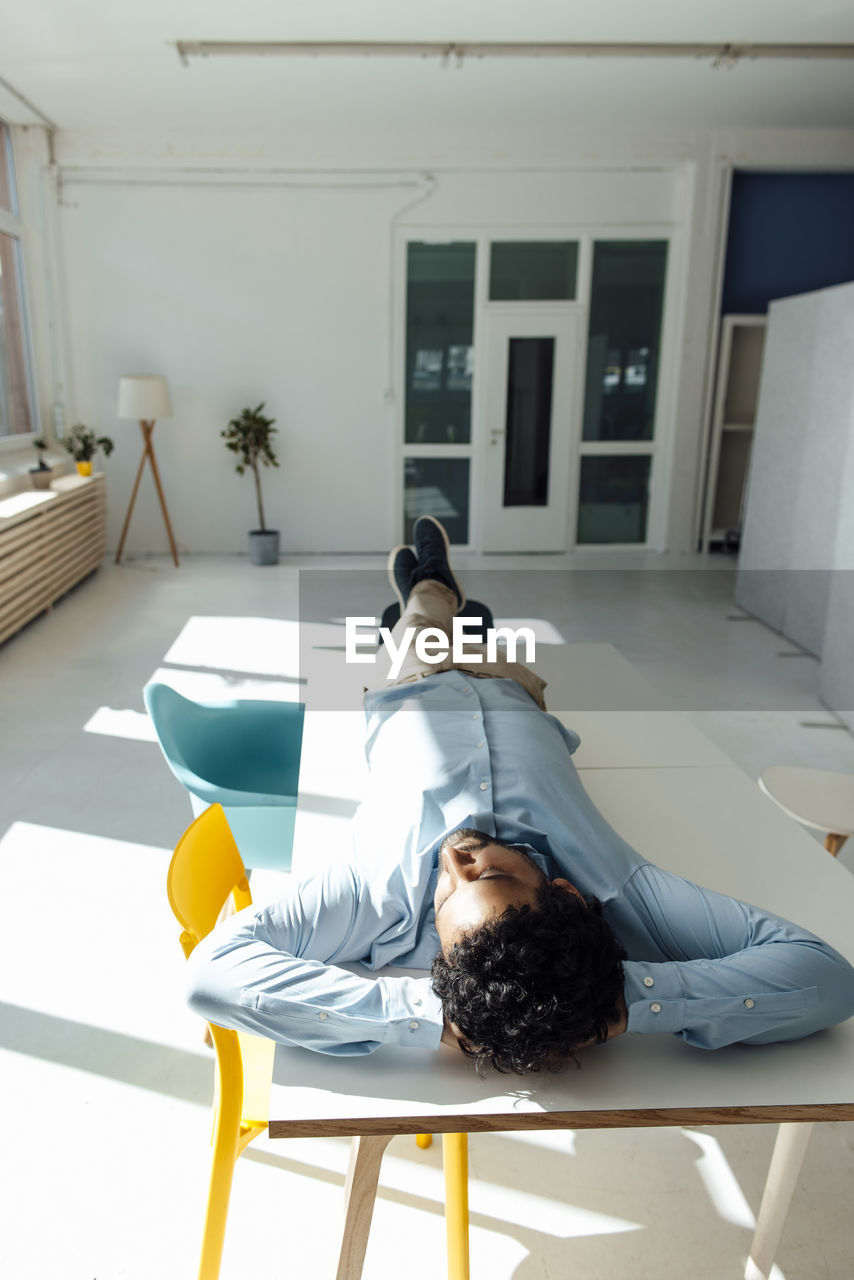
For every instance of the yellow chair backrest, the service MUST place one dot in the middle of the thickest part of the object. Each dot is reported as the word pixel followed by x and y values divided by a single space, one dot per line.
pixel 205 868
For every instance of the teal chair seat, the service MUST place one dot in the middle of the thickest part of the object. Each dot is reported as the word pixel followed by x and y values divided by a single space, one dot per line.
pixel 243 754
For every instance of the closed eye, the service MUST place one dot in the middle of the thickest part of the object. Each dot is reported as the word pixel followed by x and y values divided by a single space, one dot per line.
pixel 496 874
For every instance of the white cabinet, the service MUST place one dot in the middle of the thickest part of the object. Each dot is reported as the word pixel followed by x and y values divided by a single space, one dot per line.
pixel 49 540
pixel 742 341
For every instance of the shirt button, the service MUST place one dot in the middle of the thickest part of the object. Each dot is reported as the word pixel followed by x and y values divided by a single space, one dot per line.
pixel 656 1008
pixel 475 715
pixel 748 1004
pixel 480 744
pixel 417 1000
pixel 483 786
pixel 649 982
pixel 413 1026
pixel 323 1014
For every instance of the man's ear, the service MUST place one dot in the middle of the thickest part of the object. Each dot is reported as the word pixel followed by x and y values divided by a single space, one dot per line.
pixel 570 888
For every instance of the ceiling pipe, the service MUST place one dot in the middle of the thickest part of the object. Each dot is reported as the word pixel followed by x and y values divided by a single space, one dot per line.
pixel 721 55
pixel 49 125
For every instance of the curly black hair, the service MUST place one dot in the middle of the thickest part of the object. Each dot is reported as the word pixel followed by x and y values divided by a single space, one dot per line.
pixel 530 986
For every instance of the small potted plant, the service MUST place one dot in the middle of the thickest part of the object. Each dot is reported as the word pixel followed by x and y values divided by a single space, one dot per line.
pixel 42 474
pixel 249 436
pixel 82 443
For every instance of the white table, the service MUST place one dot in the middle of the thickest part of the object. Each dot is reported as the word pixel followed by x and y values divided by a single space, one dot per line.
pixel 678 801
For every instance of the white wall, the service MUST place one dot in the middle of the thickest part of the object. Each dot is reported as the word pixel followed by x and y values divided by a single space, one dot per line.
pixel 245 271
pixel 238 295
pixel 281 293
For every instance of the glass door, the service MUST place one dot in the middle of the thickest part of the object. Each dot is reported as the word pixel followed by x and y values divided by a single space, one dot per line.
pixel 529 426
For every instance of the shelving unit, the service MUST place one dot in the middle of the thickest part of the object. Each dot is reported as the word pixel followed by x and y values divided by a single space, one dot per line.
pixel 742 342
pixel 49 540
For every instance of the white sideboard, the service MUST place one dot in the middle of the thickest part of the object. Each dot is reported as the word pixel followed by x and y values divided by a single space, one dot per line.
pixel 49 540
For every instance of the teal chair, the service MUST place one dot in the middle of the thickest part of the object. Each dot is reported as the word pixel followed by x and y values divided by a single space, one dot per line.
pixel 244 755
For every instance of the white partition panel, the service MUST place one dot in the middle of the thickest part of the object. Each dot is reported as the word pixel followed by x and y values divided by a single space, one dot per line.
pixel 798 545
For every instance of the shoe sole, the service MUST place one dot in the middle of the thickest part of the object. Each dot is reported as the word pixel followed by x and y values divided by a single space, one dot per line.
pixel 443 531
pixel 392 556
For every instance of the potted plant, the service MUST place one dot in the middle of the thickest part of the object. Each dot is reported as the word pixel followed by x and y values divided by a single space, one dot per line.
pixel 42 473
pixel 82 443
pixel 249 436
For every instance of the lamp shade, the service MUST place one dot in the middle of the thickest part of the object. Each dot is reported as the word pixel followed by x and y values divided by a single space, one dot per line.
pixel 144 396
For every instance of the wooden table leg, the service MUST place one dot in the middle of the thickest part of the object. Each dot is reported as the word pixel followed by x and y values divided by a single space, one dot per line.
pixel 360 1192
pixel 455 1155
pixel 786 1161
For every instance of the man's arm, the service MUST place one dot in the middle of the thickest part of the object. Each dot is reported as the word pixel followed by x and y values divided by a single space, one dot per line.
pixel 729 972
pixel 275 972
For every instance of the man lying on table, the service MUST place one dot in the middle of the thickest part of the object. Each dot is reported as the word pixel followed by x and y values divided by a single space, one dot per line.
pixel 478 854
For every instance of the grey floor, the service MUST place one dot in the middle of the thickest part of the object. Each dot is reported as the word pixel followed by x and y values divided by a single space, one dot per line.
pixel 106 1081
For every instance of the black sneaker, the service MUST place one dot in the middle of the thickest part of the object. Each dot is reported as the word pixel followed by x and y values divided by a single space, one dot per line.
pixel 433 550
pixel 401 566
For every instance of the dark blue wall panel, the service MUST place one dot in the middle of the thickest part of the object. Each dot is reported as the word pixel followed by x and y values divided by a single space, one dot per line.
pixel 788 233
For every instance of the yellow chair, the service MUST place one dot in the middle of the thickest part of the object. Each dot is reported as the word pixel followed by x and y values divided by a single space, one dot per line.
pixel 205 870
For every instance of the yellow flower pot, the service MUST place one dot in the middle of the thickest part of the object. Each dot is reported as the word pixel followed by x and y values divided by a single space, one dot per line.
pixel 84 468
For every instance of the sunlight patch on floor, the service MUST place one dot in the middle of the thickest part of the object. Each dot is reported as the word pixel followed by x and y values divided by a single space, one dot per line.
pixel 720 1182
pixel 113 723
pixel 260 646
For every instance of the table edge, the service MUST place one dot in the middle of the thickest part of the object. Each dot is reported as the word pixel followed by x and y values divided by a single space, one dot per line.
pixel 466 1122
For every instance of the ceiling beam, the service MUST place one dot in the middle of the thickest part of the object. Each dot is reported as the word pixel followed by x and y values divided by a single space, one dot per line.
pixel 721 54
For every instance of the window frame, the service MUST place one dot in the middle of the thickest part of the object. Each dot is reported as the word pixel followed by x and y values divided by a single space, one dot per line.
pixel 14 225
pixel 660 447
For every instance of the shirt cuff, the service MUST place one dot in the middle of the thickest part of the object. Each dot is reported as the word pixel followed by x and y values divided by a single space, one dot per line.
pixel 416 1018
pixel 654 997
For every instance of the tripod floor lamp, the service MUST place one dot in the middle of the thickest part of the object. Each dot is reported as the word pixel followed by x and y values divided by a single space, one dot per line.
pixel 145 396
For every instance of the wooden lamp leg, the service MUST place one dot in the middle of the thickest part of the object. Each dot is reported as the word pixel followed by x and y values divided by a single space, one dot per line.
pixel 148 428
pixel 126 525
pixel 148 452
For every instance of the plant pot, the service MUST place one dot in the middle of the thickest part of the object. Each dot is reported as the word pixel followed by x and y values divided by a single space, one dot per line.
pixel 41 479
pixel 84 468
pixel 264 546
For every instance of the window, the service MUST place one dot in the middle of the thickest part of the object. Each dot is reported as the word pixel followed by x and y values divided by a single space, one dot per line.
pixel 626 307
pixel 437 448
pixel 437 487
pixel 17 399
pixel 533 270
pixel 439 336
pixel 623 356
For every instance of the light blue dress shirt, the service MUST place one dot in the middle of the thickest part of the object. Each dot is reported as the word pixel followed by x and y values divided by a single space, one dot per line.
pixel 455 750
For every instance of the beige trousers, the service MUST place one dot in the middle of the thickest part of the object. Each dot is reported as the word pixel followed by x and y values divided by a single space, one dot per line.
pixel 432 605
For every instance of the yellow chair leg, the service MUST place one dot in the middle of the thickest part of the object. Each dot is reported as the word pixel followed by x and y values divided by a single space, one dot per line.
pixel 455 1156
pixel 424 1140
pixel 226 1137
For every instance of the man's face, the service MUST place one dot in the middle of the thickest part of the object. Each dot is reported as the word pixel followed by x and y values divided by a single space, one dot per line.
pixel 479 877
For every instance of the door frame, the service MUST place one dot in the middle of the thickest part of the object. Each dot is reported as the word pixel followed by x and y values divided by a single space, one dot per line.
pixel 586 234
pixel 544 314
